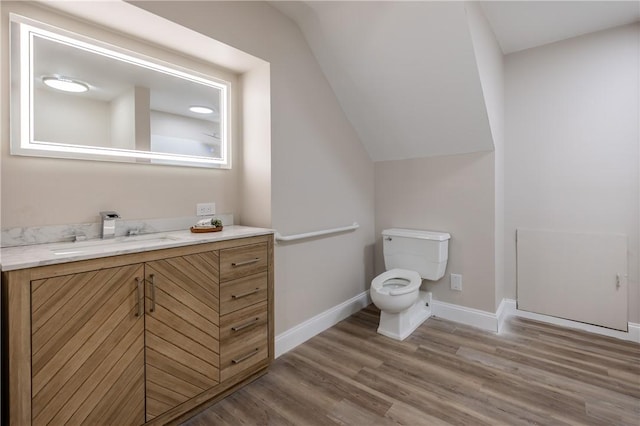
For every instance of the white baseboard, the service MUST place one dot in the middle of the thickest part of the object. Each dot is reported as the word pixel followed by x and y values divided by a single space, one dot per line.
pixel 633 335
pixel 484 320
pixel 634 332
pixel 291 338
pixel 469 316
pixel 506 309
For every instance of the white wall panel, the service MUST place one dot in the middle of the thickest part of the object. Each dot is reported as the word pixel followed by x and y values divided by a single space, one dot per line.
pixel 576 276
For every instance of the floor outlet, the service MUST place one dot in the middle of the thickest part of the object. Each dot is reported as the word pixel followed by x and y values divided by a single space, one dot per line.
pixel 205 209
pixel 456 282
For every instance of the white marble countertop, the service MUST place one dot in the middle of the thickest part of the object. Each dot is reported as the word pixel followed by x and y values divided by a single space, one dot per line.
pixel 20 257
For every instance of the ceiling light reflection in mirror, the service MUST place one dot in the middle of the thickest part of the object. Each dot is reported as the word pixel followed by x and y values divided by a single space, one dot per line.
pixel 80 98
pixel 65 84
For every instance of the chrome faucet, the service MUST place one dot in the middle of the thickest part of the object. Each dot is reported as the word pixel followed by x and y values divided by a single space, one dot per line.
pixel 109 224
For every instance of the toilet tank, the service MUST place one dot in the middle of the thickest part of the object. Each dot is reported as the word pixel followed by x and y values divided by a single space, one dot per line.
pixel 425 252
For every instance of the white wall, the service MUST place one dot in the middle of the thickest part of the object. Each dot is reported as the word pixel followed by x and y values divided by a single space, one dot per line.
pixel 65 118
pixel 123 126
pixel 453 194
pixel 571 151
pixel 256 155
pixel 489 60
pixel 194 134
pixel 321 176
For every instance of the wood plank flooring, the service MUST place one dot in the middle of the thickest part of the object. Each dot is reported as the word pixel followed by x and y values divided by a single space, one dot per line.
pixel 444 373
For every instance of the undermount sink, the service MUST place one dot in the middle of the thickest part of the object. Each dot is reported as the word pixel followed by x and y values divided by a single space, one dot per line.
pixel 98 246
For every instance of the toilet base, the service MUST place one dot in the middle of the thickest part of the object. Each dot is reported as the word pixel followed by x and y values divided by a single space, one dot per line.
pixel 400 326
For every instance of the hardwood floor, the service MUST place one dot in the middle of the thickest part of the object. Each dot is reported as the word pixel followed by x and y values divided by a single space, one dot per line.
pixel 444 373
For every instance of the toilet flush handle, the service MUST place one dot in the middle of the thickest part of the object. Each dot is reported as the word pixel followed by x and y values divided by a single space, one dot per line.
pixel 388 238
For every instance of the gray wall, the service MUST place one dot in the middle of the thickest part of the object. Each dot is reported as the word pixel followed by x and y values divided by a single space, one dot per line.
pixel 571 152
pixel 453 194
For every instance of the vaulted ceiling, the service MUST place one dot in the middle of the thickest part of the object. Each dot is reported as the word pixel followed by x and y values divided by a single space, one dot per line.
pixel 520 25
pixel 406 75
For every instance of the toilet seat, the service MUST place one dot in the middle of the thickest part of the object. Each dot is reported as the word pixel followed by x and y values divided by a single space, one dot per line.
pixel 396 282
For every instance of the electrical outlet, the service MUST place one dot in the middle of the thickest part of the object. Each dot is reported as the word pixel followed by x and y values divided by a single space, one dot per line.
pixel 205 209
pixel 456 282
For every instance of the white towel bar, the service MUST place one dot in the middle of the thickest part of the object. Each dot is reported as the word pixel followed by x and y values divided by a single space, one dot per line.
pixel 316 233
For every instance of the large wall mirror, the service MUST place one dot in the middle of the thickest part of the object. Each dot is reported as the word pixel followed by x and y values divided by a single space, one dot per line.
pixel 75 97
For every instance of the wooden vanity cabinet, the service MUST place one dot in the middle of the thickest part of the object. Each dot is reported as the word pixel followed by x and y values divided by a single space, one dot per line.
pixel 137 338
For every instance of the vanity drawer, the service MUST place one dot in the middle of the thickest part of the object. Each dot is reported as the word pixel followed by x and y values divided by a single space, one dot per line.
pixel 244 352
pixel 242 261
pixel 243 292
pixel 243 322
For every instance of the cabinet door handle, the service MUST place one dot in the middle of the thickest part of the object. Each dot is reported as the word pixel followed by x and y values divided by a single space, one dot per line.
pixel 248 293
pixel 245 357
pixel 140 297
pixel 245 325
pixel 245 262
pixel 152 281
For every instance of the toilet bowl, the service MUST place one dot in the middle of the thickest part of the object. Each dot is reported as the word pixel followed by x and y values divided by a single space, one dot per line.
pixel 412 255
pixel 397 294
pixel 395 290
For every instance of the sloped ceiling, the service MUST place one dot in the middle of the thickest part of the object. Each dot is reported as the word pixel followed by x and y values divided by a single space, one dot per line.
pixel 520 25
pixel 404 73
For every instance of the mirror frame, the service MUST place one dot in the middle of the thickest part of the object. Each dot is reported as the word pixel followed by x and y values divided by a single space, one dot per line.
pixel 22 95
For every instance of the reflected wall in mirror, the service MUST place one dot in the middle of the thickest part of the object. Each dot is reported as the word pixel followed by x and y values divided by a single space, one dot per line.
pixel 74 97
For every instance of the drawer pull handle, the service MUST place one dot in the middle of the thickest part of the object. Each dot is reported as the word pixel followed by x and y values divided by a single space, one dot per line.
pixel 140 297
pixel 245 262
pixel 245 357
pixel 248 293
pixel 153 292
pixel 245 325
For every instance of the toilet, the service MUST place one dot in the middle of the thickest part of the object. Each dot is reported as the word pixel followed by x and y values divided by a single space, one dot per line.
pixel 409 257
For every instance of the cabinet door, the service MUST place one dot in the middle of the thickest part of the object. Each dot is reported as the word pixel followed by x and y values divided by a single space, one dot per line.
pixel 88 348
pixel 182 343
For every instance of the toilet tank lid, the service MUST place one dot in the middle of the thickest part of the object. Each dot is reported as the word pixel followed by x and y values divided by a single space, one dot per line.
pixel 416 233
